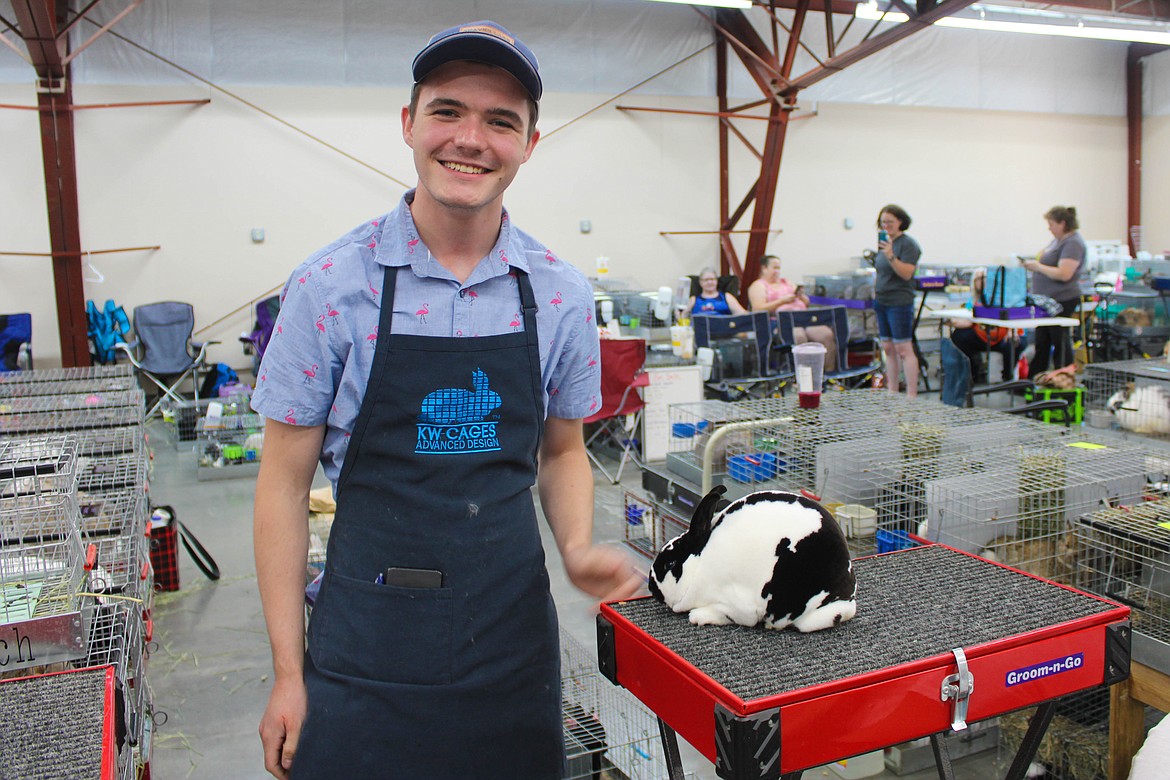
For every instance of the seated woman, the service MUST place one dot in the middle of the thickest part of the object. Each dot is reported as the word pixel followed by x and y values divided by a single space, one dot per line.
pixel 710 300
pixel 773 293
pixel 972 340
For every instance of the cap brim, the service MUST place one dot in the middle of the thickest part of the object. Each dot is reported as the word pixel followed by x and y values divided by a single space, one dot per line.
pixel 478 48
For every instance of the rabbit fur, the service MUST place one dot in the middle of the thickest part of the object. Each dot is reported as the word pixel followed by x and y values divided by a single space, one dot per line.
pixel 771 557
pixel 1142 409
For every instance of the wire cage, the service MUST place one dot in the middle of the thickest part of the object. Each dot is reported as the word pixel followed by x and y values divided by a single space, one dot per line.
pixel 31 466
pixel 42 577
pixel 229 446
pixel 1125 556
pixel 111 472
pixel 117 638
pixel 1016 506
pixel 106 442
pixel 67 386
pixel 641 527
pixel 1135 393
pixel 73 401
pixel 73 419
pixel 112 512
pixel 66 374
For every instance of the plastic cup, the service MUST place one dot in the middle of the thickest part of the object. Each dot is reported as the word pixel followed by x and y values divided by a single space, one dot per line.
pixel 809 360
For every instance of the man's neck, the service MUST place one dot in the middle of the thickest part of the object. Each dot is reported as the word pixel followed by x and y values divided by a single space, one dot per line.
pixel 458 240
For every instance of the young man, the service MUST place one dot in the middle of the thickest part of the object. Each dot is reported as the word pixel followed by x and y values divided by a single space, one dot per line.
pixel 430 359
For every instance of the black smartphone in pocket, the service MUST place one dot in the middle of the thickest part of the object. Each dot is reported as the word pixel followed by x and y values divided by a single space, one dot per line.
pixel 413 578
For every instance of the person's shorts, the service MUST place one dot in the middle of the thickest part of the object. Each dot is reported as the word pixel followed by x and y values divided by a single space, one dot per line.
pixel 895 323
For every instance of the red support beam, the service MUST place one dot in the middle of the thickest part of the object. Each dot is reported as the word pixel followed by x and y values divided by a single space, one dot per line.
pixel 39 22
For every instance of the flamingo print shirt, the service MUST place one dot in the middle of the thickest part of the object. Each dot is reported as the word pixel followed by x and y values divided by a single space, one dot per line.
pixel 317 365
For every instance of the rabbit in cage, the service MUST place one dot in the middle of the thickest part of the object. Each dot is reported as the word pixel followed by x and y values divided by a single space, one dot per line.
pixel 1141 409
pixel 770 557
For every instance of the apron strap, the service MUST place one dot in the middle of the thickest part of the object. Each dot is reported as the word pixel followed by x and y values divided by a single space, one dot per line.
pixel 528 304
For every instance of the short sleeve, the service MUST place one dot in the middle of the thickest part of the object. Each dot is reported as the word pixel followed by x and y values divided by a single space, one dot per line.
pixel 575 386
pixel 1073 250
pixel 910 253
pixel 300 370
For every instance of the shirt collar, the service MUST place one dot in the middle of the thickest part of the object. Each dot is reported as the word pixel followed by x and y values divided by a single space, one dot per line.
pixel 399 245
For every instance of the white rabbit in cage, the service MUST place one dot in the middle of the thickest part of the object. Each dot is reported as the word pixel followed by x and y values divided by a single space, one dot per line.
pixel 1143 409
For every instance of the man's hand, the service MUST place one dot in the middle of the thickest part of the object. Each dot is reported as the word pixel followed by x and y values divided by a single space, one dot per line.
pixel 280 728
pixel 603 572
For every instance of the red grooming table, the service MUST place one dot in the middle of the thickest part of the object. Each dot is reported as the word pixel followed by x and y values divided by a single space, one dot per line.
pixel 941 637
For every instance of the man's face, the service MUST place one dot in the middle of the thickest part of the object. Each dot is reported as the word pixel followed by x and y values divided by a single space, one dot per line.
pixel 469 135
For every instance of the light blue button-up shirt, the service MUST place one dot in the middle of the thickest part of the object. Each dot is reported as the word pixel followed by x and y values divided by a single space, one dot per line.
pixel 317 365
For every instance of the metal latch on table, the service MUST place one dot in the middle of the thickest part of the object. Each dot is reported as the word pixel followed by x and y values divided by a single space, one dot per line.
pixel 958 687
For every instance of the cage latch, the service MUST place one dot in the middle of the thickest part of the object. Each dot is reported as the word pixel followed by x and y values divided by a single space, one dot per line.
pixel 957 689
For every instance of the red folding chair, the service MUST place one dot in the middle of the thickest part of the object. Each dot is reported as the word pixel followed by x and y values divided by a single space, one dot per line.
pixel 621 403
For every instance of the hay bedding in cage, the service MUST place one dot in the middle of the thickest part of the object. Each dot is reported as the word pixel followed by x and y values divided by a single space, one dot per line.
pixel 1054 558
pixel 1069 750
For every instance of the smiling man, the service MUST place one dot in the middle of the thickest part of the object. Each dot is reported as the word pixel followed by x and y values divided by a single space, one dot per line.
pixel 430 360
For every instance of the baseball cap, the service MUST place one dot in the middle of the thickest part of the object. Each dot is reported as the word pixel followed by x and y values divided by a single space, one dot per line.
pixel 483 41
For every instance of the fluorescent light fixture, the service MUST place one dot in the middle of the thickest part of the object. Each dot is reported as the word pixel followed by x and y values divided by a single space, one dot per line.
pixel 716 3
pixel 1055 23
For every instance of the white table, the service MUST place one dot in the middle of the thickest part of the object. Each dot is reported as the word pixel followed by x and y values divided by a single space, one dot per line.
pixel 966 314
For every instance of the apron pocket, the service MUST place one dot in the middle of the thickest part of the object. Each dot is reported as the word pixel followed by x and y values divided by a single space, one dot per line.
pixel 383 633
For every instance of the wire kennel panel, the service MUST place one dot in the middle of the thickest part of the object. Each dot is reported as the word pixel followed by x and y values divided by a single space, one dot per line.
pixel 111 472
pixel 73 401
pixel 67 386
pixel 1135 392
pixel 104 442
pixel 1125 556
pixel 44 464
pixel 607 729
pixel 66 374
pixel 853 472
pixel 117 638
pixel 74 419
pixel 641 525
pixel 1020 508
pixel 42 568
pixel 112 512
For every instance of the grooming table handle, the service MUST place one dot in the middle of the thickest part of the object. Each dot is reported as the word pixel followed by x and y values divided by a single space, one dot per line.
pixel 958 687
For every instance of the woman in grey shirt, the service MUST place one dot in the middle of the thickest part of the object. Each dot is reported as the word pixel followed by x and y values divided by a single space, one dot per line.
pixel 1055 273
pixel 896 261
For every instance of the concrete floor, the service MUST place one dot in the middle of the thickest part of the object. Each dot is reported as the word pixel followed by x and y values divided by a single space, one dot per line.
pixel 211 671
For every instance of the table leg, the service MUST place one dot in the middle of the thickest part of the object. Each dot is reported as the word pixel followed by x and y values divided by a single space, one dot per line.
pixel 923 366
pixel 674 766
pixel 942 757
pixel 1031 741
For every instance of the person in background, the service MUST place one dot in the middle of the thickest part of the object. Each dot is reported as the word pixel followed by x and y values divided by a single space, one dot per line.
pixel 710 300
pixel 429 360
pixel 772 293
pixel 1055 273
pixel 972 340
pixel 896 262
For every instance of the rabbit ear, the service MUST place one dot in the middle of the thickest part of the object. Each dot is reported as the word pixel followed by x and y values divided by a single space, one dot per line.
pixel 704 513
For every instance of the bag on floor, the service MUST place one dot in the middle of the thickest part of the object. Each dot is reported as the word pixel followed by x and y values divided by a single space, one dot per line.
pixel 165 533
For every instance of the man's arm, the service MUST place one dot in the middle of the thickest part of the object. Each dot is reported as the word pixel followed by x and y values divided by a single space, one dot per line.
pixel 281 540
pixel 565 483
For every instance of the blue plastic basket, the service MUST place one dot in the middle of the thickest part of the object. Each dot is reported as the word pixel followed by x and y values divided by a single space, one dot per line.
pixel 753 467
pixel 890 541
pixel 687 430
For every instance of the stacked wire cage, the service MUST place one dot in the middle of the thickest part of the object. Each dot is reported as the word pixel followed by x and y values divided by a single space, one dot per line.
pixel 1014 505
pixel 1135 394
pixel 608 732
pixel 44 614
pixel 229 446
pixel 81 461
pixel 86 374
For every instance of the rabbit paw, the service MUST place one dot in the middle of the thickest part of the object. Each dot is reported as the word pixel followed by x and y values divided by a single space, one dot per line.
pixel 709 616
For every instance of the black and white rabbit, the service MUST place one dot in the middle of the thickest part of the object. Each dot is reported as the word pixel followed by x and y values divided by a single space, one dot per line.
pixel 773 557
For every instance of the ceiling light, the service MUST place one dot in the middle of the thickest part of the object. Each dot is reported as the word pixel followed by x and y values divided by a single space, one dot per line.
pixel 716 3
pixel 1054 23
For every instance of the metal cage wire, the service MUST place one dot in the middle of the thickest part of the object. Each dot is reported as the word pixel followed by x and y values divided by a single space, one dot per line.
pixel 1136 393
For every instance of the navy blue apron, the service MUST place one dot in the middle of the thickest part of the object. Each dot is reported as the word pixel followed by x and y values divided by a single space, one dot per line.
pixel 461 680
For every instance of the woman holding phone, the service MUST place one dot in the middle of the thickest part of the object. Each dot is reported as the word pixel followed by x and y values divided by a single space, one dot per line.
pixel 773 293
pixel 896 262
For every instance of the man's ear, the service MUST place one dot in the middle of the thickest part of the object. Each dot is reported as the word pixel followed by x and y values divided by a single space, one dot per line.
pixel 408 127
pixel 531 145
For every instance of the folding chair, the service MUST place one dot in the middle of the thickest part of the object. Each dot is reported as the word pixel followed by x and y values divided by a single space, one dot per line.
pixel 621 404
pixel 837 318
pixel 15 342
pixel 756 374
pixel 162 348
pixel 257 341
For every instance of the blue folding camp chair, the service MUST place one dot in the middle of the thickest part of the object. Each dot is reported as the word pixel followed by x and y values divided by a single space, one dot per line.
pixel 837 318
pixel 15 342
pixel 162 349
